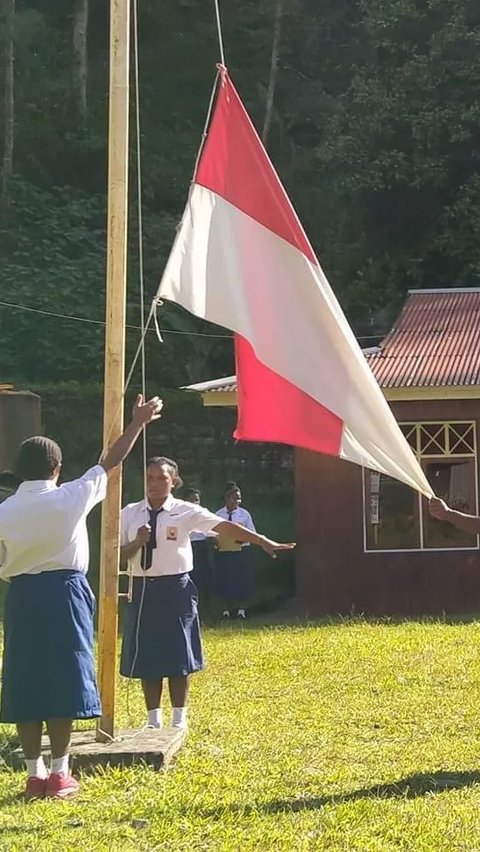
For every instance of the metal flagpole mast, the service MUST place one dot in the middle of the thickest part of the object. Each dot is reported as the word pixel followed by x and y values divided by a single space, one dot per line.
pixel 116 284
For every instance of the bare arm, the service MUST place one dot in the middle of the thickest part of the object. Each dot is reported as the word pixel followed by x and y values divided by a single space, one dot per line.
pixel 239 533
pixel 468 523
pixel 143 414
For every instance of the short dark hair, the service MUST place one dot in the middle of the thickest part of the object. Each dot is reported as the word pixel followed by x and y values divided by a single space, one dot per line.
pixel 37 458
pixel 191 492
pixel 171 464
pixel 231 488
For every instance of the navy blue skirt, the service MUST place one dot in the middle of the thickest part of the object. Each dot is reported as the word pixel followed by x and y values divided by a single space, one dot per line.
pixel 48 665
pixel 202 565
pixel 234 576
pixel 161 636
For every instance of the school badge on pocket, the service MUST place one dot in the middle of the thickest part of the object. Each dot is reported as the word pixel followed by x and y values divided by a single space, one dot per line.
pixel 172 533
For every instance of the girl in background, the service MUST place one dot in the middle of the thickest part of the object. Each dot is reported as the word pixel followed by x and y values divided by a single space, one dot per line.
pixel 234 574
pixel 202 547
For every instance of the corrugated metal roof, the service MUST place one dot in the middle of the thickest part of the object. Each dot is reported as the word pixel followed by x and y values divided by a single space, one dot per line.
pixel 434 343
pixel 229 383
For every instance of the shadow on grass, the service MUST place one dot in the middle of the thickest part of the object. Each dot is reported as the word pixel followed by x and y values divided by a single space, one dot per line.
pixel 287 616
pixel 11 799
pixel 406 788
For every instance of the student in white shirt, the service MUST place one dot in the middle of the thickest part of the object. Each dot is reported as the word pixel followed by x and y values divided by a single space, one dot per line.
pixel 161 633
pixel 48 667
pixel 234 574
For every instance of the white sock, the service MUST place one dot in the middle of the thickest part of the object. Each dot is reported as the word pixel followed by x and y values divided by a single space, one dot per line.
pixel 60 764
pixel 179 718
pixel 155 718
pixel 36 768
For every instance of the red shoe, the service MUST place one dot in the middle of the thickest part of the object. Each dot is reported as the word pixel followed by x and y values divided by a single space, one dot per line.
pixel 36 788
pixel 60 786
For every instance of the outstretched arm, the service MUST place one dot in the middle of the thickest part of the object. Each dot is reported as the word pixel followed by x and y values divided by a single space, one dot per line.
pixel 468 523
pixel 143 414
pixel 239 533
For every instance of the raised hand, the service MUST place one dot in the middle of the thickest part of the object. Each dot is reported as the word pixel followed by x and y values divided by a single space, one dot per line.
pixel 145 412
pixel 438 509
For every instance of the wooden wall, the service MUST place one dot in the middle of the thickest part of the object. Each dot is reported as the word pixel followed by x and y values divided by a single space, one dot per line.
pixel 334 575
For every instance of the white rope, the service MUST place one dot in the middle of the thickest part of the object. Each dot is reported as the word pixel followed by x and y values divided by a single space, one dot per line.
pixel 123 738
pixel 140 244
pixel 207 124
pixel 156 304
pixel 127 382
pixel 142 349
pixel 219 31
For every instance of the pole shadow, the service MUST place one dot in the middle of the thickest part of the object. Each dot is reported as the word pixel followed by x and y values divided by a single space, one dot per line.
pixel 412 787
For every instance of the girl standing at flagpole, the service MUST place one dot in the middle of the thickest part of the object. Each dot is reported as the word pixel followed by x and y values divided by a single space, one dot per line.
pixel 48 666
pixel 162 633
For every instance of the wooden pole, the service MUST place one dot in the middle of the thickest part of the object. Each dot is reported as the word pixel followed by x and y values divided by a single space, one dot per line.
pixel 116 286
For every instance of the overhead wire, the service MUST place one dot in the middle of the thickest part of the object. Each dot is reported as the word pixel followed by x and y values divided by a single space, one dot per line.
pixel 75 318
pixel 162 331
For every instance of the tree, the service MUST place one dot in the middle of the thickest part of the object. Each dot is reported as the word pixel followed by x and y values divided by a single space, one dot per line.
pixel 277 32
pixel 371 110
pixel 9 103
pixel 80 56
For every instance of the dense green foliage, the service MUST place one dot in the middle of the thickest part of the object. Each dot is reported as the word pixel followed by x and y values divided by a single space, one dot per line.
pixel 375 132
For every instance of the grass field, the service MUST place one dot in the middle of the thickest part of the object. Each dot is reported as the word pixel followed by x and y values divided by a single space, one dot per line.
pixel 346 736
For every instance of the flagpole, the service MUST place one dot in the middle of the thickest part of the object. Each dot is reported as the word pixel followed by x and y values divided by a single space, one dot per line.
pixel 114 375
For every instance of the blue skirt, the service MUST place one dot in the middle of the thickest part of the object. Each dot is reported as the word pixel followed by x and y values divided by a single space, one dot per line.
pixel 48 665
pixel 234 576
pixel 202 565
pixel 161 636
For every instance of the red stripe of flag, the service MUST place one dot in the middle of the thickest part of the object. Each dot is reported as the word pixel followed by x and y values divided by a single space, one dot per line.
pixel 235 166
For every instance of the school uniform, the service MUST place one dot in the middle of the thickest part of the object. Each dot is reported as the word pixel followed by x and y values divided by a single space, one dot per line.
pixel 202 562
pixel 48 665
pixel 234 574
pixel 161 632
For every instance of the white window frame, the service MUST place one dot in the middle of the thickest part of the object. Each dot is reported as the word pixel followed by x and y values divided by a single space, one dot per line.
pixel 447 425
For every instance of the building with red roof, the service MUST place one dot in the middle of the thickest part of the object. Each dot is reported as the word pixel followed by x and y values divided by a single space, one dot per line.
pixel 366 543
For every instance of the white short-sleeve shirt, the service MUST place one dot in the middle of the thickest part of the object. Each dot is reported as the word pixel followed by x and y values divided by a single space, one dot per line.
pixel 238 516
pixel 173 553
pixel 43 526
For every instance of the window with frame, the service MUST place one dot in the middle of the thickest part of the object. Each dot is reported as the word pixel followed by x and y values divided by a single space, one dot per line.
pixel 397 518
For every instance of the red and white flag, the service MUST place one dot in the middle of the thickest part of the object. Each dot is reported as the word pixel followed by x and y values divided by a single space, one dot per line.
pixel 242 260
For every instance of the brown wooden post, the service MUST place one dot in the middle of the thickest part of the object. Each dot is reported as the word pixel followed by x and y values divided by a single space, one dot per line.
pixel 114 352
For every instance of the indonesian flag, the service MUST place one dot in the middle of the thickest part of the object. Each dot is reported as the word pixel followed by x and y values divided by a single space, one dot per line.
pixel 242 260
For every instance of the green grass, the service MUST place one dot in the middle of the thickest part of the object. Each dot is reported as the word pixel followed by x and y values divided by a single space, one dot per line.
pixel 346 736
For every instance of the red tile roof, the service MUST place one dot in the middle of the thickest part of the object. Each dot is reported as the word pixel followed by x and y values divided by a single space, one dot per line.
pixel 435 342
